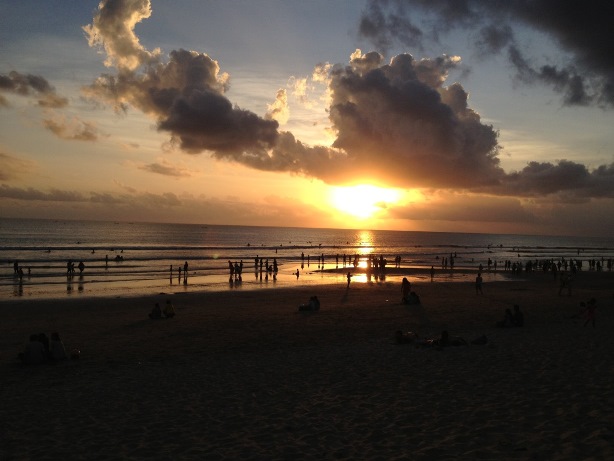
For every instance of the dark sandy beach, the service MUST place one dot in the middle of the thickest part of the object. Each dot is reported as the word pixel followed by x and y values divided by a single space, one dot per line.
pixel 245 375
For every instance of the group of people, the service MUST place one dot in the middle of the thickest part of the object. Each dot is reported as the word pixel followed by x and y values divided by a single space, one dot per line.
pixel 158 313
pixel 588 311
pixel 185 273
pixel 312 305
pixel 70 267
pixel 512 319
pixel 40 349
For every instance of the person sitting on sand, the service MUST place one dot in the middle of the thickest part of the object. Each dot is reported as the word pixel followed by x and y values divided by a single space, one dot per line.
pixel 156 312
pixel 508 320
pixel 405 290
pixel 517 317
pixel 169 309
pixel 413 298
pixel 312 305
pixel 34 353
pixel 57 352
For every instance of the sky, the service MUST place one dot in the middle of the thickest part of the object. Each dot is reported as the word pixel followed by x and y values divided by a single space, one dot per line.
pixel 425 115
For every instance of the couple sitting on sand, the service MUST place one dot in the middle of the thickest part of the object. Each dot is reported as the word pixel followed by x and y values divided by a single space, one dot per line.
pixel 408 296
pixel 587 312
pixel 40 349
pixel 512 319
pixel 312 305
pixel 169 311
pixel 444 340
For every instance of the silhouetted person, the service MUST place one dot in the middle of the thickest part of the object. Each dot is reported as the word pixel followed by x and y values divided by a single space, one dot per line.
pixel 517 317
pixel 57 352
pixel 169 309
pixel 405 290
pixel 34 352
pixel 156 312
pixel 478 284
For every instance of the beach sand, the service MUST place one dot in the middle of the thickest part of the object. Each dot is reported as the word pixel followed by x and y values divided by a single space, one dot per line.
pixel 245 375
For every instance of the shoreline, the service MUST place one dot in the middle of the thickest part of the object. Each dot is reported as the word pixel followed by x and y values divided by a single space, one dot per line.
pixel 87 286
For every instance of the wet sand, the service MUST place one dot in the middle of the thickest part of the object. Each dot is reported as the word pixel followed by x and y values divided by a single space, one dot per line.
pixel 245 375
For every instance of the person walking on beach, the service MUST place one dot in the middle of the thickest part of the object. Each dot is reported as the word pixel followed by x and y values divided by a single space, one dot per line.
pixel 349 277
pixel 478 284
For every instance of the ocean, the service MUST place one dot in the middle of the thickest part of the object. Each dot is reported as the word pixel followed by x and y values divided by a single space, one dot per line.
pixel 124 259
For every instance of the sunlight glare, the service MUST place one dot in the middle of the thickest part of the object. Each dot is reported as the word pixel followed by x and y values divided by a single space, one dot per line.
pixel 362 201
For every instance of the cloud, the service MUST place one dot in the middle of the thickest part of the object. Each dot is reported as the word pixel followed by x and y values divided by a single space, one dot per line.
pixel 166 170
pixel 395 122
pixel 583 33
pixel 113 30
pixel 279 110
pixel 14 168
pixel 401 123
pixel 154 207
pixel 30 85
pixel 72 129
pixel 569 180
pixel 54 195
pixel 466 208
pixel 185 94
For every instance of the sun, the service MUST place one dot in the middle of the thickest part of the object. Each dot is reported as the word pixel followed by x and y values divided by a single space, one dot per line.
pixel 362 201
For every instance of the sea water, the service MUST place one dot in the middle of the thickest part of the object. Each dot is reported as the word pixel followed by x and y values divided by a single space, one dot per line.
pixel 123 258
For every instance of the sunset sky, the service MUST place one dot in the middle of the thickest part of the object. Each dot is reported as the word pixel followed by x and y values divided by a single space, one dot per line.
pixel 460 116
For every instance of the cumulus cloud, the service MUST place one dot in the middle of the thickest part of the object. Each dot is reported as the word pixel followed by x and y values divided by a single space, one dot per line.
pixel 583 32
pixel 185 94
pixel 279 109
pixel 395 121
pixel 113 30
pixel 30 85
pixel 400 122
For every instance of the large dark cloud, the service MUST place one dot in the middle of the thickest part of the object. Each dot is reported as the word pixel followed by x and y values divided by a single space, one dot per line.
pixel 566 178
pixel 396 121
pixel 583 31
pixel 401 123
pixel 185 94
